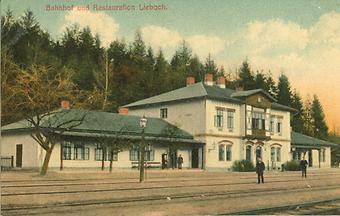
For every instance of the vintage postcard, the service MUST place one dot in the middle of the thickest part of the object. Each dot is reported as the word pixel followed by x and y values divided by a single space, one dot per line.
pixel 170 107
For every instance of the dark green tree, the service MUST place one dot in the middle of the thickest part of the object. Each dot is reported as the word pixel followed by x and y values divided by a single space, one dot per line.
pixel 211 67
pixel 245 77
pixel 271 85
pixel 297 121
pixel 260 81
pixel 320 128
pixel 284 95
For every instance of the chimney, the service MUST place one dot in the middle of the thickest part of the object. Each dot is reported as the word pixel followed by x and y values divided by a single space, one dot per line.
pixel 221 81
pixel 65 104
pixel 208 79
pixel 123 110
pixel 190 80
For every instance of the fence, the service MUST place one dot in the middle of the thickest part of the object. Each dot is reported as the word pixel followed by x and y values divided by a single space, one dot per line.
pixel 6 162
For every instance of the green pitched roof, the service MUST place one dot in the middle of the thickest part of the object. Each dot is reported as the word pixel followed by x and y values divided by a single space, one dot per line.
pixel 200 90
pixel 298 139
pixel 251 92
pixel 101 123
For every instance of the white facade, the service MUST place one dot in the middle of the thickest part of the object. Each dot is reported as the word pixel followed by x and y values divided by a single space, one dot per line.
pixel 33 155
pixel 197 116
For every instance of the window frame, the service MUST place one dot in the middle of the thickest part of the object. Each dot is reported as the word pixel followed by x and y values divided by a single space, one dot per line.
pixel 229 153
pixel 230 119
pixel 163 113
pixel 249 147
pixel 67 150
pixel 218 118
pixel 221 154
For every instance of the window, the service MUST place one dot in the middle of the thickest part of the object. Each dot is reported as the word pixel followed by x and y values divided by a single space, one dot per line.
pixel 248 153
pixel 81 152
pixel 149 153
pixel 272 153
pixel 67 151
pixel 164 113
pixel 219 118
pixel 275 153
pixel 271 125
pixel 221 152
pixel 134 153
pixel 98 153
pixel 228 151
pixel 279 126
pixel 258 120
pixel 230 119
pixel 278 154
pixel 258 152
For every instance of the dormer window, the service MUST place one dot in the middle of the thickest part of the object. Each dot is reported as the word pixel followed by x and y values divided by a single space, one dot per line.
pixel 164 113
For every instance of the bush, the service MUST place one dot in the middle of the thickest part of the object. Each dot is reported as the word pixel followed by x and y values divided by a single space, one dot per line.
pixel 292 165
pixel 243 166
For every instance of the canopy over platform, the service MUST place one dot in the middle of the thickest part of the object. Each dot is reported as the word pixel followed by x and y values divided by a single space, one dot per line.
pixel 299 140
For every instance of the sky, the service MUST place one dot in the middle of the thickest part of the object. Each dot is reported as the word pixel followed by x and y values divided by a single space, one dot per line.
pixel 298 38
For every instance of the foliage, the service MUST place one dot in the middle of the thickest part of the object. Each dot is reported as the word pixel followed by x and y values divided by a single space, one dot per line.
pixel 40 93
pixel 320 128
pixel 292 165
pixel 297 121
pixel 106 78
pixel 284 95
pixel 243 166
pixel 246 77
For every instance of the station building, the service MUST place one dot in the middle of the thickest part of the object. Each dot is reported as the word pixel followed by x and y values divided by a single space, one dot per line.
pixel 209 125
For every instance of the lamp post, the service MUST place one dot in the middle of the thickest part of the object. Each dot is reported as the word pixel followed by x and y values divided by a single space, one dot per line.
pixel 142 124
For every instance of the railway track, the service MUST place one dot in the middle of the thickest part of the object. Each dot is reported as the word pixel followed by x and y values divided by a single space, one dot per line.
pixel 210 184
pixel 123 181
pixel 323 207
pixel 227 194
pixel 163 178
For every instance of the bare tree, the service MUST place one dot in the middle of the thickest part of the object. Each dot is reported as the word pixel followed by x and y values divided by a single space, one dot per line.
pixel 40 91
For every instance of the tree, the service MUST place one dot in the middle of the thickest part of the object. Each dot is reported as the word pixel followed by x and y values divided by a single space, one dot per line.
pixel 210 67
pixel 39 93
pixel 284 95
pixel 307 118
pixel 320 128
pixel 271 85
pixel 246 78
pixel 260 81
pixel 297 121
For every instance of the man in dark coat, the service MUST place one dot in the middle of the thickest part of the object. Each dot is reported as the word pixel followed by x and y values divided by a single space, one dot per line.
pixel 260 167
pixel 303 165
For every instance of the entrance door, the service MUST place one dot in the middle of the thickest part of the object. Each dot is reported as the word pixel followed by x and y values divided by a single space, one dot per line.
pixel 310 158
pixel 194 158
pixel 18 155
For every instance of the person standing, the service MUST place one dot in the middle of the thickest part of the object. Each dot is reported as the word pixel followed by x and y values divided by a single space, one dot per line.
pixel 180 161
pixel 303 166
pixel 260 167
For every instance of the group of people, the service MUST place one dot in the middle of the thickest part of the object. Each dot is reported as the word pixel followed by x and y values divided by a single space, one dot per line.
pixel 179 160
pixel 260 167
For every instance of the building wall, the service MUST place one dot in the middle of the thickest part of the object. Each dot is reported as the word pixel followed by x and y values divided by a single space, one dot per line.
pixel 286 129
pixel 33 154
pixel 30 148
pixel 188 115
